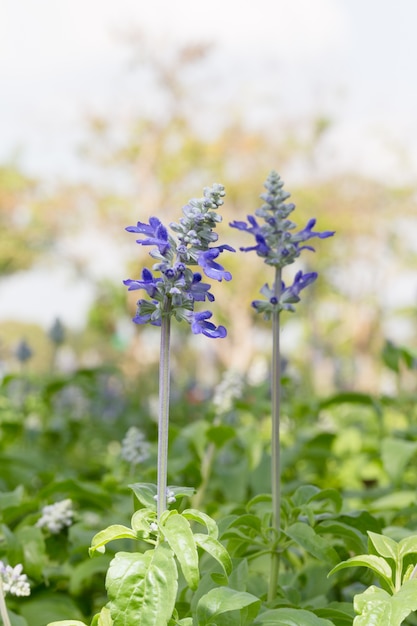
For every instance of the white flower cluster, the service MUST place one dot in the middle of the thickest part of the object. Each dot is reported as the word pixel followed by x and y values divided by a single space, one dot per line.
pixel 56 517
pixel 229 388
pixel 170 496
pixel 13 581
pixel 135 448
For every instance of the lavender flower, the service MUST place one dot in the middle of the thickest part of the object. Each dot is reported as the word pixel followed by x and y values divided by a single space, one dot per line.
pixel 175 287
pixel 13 581
pixel 56 517
pixel 278 245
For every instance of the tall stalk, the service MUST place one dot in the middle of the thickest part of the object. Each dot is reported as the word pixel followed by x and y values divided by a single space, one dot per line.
pixel 275 444
pixel 163 419
pixel 3 609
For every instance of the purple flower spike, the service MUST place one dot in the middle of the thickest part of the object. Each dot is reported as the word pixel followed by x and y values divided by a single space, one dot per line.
pixel 199 324
pixel 210 267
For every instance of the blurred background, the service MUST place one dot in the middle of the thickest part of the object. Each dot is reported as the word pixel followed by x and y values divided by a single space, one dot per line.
pixel 113 111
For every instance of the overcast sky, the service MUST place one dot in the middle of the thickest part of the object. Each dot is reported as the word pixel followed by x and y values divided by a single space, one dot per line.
pixel 353 60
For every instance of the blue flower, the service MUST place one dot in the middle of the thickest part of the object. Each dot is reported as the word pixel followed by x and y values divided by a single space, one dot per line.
pixel 157 234
pixel 308 233
pixel 291 294
pixel 199 324
pixel 200 291
pixel 148 283
pixel 210 267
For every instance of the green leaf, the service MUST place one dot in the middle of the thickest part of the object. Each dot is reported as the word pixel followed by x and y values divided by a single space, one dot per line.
pixel 35 559
pixel 116 531
pixel 396 454
pixel 45 608
pixel 142 588
pixel 216 550
pixel 290 617
pixel 18 620
pixel 141 521
pixel 203 519
pixel 408 545
pixel 222 600
pixel 352 537
pixel 82 574
pixel 145 493
pixel 385 546
pixel 375 563
pixel 178 533
pixel 394 501
pixel 315 545
pixel 67 622
pixel 220 433
pixel 377 607
pixel 104 619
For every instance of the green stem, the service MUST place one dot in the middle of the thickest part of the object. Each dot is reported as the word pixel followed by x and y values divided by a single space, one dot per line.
pixel 3 609
pixel 275 446
pixel 163 421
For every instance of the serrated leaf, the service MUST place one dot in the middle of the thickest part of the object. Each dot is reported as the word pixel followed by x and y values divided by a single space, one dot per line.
pixel 222 600
pixel 375 563
pixel 290 617
pixel 178 533
pixel 313 543
pixel 215 549
pixel 116 531
pixel 142 588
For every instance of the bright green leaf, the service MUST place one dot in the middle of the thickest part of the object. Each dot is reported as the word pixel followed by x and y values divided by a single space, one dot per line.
pixel 142 588
pixel 385 546
pixel 408 545
pixel 178 533
pixel 222 600
pixel 375 563
pixel 67 622
pixel 216 550
pixel 377 607
pixel 203 519
pixel 116 531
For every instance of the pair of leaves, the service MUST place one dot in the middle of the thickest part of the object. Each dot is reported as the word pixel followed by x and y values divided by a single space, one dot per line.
pixel 386 548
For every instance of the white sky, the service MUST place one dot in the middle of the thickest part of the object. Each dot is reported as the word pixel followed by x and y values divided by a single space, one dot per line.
pixel 353 60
